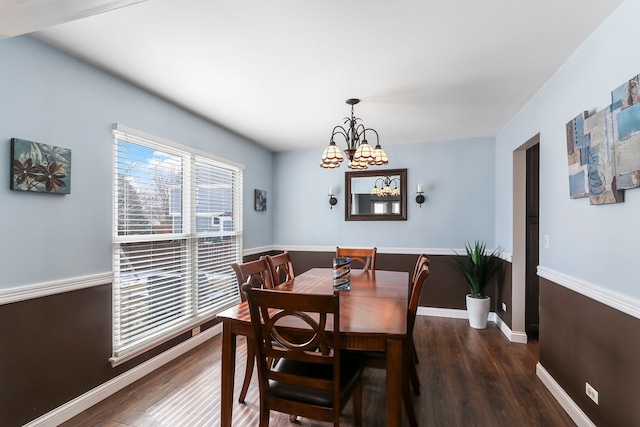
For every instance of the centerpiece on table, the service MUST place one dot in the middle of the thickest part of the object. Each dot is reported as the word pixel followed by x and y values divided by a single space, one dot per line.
pixel 342 273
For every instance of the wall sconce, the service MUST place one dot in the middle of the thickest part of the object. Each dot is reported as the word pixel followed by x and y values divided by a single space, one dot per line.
pixel 332 197
pixel 420 198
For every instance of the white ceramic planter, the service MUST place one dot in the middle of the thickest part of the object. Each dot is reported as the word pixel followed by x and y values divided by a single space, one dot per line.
pixel 478 310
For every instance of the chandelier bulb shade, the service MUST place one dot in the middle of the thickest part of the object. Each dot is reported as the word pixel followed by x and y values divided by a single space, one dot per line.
pixel 360 154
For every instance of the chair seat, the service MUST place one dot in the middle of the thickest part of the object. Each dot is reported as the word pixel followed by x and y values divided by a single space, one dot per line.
pixel 350 370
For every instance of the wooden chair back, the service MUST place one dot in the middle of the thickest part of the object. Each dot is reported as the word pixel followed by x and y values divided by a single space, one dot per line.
pixel 301 332
pixel 256 273
pixel 419 277
pixel 422 258
pixel 281 267
pixel 364 256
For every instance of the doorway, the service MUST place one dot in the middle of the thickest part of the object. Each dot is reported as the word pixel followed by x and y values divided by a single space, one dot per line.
pixel 524 278
pixel 532 292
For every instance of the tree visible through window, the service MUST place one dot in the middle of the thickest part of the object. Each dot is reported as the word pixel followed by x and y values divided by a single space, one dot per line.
pixel 177 230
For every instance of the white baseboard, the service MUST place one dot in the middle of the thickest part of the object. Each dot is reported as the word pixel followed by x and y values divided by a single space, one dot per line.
pixel 513 336
pixel 517 337
pixel 573 410
pixel 445 312
pixel 90 398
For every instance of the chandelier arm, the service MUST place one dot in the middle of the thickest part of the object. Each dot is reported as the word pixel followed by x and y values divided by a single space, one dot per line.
pixel 339 130
pixel 354 137
pixel 374 131
pixel 361 131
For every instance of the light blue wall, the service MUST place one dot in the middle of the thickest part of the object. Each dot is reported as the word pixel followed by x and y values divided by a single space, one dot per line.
pixel 458 178
pixel 596 244
pixel 52 98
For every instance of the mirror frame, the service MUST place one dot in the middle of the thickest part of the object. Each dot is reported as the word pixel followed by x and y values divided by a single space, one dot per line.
pixel 348 176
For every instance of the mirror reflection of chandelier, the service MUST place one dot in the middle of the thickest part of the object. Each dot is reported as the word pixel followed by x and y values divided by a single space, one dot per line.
pixel 388 187
pixel 359 152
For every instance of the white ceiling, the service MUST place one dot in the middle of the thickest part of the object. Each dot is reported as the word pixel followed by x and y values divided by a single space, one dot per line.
pixel 279 71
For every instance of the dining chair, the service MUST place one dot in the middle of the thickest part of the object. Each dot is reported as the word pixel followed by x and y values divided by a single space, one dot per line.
pixel 281 267
pixel 365 256
pixel 422 258
pixel 420 274
pixel 312 377
pixel 256 274
pixel 378 359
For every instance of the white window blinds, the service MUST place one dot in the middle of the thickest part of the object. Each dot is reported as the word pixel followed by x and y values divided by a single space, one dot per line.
pixel 177 230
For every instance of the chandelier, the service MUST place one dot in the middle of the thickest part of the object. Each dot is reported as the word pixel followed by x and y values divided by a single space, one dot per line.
pixel 359 152
pixel 388 187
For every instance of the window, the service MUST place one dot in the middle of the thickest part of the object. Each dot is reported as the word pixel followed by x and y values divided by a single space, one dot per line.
pixel 379 207
pixel 177 230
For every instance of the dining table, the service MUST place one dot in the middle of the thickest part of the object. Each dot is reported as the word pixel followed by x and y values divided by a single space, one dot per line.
pixel 373 316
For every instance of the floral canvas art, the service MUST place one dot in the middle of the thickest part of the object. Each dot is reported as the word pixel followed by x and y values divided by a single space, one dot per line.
pixel 40 168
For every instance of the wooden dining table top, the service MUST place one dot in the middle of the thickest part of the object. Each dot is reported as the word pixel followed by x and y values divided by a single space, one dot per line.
pixel 376 304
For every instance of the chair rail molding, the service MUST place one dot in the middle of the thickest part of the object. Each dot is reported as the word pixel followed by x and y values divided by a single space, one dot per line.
pixel 613 299
pixel 23 293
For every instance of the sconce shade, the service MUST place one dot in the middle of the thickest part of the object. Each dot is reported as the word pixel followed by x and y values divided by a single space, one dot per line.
pixel 420 198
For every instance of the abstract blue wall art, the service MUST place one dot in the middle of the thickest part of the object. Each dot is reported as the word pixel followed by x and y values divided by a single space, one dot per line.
pixel 604 149
pixel 578 157
pixel 626 133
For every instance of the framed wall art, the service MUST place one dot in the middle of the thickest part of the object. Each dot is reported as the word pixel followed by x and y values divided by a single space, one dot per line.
pixel 604 148
pixel 261 200
pixel 40 168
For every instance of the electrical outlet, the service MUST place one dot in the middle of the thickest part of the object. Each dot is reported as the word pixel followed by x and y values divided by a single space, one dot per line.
pixel 592 392
pixel 504 307
pixel 195 331
pixel 546 241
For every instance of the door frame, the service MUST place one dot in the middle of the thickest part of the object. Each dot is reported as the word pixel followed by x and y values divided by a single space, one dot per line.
pixel 519 256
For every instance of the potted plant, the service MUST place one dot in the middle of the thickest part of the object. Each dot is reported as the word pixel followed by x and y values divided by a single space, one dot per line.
pixel 477 269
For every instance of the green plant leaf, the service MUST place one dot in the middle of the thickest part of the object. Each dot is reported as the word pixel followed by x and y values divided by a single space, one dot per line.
pixel 478 267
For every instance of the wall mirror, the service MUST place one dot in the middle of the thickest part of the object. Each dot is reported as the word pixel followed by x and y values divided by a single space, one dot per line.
pixel 379 195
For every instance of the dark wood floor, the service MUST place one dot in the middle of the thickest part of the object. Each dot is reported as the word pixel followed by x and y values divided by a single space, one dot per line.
pixel 469 377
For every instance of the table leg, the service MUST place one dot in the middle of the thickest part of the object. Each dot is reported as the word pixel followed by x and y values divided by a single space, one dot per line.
pixel 228 374
pixel 394 382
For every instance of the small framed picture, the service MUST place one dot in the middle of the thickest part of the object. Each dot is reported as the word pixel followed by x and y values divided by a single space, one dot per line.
pixel 40 168
pixel 261 200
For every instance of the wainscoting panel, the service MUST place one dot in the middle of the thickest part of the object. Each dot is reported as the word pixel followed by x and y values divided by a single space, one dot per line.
pixel 583 340
pixel 57 347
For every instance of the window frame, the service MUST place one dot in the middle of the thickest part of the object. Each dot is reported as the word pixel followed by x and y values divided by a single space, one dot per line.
pixel 189 239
